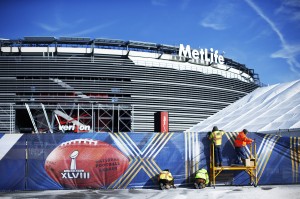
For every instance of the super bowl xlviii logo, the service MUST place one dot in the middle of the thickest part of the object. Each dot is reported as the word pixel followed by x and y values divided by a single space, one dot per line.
pixel 74 173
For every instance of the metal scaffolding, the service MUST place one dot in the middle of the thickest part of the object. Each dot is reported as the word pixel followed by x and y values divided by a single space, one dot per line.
pixel 80 118
pixel 7 118
pixel 250 170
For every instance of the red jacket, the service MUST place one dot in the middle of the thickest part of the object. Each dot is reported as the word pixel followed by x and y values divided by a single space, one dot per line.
pixel 241 140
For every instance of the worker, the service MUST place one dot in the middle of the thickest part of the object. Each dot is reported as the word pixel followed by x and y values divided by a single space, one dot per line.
pixel 216 138
pixel 166 180
pixel 201 179
pixel 240 142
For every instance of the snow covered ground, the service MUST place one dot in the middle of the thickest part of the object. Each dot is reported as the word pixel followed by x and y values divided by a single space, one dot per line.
pixel 224 192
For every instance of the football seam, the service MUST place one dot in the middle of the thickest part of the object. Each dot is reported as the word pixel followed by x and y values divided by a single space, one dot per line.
pixel 80 141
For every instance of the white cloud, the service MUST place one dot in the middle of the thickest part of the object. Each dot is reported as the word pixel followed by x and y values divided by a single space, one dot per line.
pixel 61 25
pixel 215 26
pixel 93 29
pixel 288 52
pixel 290 8
pixel 184 4
pixel 159 2
pixel 48 27
pixel 262 34
pixel 217 19
pixel 265 18
pixel 60 22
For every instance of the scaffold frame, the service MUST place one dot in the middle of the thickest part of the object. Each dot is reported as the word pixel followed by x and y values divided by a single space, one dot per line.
pixel 250 170
pixel 99 117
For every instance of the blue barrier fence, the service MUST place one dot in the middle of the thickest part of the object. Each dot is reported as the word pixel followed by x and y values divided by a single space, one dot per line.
pixel 133 160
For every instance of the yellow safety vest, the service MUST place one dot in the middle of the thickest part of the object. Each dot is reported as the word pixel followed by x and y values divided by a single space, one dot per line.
pixel 165 175
pixel 202 173
pixel 217 137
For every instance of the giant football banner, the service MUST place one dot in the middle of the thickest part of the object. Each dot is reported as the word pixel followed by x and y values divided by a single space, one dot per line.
pixel 134 160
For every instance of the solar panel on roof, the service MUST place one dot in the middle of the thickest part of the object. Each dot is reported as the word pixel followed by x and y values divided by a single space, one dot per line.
pixel 167 47
pixel 39 39
pixel 109 41
pixel 74 39
pixel 142 43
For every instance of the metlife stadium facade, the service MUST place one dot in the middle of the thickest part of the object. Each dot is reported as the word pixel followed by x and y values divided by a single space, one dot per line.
pixel 68 84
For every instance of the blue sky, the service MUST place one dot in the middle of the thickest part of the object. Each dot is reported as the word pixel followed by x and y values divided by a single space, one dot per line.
pixel 263 35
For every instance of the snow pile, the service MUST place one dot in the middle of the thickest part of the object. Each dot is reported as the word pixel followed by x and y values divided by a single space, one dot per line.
pixel 265 109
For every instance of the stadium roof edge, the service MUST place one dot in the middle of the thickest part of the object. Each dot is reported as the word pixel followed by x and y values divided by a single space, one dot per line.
pixel 112 43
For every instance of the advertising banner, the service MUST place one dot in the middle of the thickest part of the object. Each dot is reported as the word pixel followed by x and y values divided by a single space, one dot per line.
pixel 277 159
pixel 102 160
pixel 134 160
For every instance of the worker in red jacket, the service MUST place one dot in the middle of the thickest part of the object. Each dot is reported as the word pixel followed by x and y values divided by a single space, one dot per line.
pixel 240 142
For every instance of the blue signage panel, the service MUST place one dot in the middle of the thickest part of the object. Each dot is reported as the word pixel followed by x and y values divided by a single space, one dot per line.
pixel 12 162
pixel 134 160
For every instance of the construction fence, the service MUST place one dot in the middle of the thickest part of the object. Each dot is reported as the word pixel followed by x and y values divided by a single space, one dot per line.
pixel 133 160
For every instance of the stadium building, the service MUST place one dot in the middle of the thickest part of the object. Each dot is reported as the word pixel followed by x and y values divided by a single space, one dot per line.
pixel 68 84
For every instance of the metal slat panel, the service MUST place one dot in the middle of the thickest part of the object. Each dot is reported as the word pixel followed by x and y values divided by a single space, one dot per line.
pixel 188 96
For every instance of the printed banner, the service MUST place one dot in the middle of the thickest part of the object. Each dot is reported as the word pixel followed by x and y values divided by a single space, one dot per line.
pixel 12 162
pixel 134 160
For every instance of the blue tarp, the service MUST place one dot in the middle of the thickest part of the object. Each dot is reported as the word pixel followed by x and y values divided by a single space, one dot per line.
pixel 131 160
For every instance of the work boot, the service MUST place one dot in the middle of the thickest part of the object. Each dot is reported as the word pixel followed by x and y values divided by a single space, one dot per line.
pixel 162 187
pixel 196 185
pixel 201 185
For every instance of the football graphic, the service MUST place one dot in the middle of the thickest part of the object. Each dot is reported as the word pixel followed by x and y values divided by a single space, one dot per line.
pixel 85 163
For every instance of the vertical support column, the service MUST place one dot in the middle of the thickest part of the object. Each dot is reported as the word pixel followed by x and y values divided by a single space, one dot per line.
pixel 118 118
pixel 78 119
pixel 132 118
pixel 113 118
pixel 11 119
pixel 98 119
pixel 92 129
pixel 212 165
pixel 255 164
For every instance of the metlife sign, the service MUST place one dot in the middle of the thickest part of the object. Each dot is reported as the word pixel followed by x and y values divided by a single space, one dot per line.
pixel 210 56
